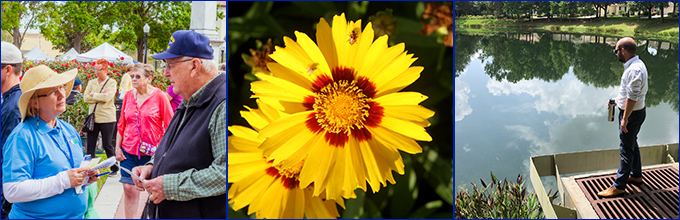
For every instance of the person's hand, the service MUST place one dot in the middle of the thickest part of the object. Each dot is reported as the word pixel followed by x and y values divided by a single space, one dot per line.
pixel 119 155
pixel 155 189
pixel 92 94
pixel 624 123
pixel 143 172
pixel 76 175
pixel 105 90
pixel 93 176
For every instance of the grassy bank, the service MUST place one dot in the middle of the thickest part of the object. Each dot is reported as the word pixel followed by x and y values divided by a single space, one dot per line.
pixel 616 26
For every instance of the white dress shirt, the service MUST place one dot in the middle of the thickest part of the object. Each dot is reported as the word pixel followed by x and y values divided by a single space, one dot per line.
pixel 633 84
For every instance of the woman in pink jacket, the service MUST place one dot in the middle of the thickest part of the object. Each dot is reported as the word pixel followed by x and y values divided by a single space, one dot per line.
pixel 144 116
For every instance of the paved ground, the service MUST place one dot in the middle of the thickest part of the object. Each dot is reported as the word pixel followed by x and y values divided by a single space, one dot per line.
pixel 109 203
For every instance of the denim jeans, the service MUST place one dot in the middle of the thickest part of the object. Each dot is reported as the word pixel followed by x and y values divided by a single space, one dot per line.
pixel 629 149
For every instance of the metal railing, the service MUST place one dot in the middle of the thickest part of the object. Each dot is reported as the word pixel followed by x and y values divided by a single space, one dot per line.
pixel 587 161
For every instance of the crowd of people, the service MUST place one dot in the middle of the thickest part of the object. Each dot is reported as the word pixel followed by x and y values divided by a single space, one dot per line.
pixel 174 140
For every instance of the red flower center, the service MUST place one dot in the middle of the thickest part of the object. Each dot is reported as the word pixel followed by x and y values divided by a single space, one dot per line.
pixel 343 106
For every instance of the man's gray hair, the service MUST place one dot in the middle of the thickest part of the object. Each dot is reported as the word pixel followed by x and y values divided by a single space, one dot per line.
pixel 209 65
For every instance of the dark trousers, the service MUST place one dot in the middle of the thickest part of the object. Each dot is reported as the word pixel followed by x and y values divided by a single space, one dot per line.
pixel 107 140
pixel 629 149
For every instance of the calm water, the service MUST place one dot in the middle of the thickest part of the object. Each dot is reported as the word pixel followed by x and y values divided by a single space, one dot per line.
pixel 522 95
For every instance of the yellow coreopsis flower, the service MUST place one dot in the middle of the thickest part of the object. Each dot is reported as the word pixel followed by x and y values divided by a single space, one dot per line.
pixel 347 118
pixel 269 190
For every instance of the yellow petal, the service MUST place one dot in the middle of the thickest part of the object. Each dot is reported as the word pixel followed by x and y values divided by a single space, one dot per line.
pixel 341 38
pixel 401 98
pixel 375 52
pixel 365 41
pixel 291 88
pixel 324 38
pixel 297 78
pixel 292 57
pixel 395 140
pixel 242 170
pixel 316 166
pixel 243 132
pixel 289 147
pixel 408 129
pixel 400 81
pixel 370 160
pixel 239 144
pixel 353 30
pixel 313 51
pixel 413 113
pixel 266 89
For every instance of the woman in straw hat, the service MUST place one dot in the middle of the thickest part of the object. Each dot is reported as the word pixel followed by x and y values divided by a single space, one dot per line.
pixel 42 155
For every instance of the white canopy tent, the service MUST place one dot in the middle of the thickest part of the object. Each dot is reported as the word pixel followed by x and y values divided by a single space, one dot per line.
pixel 37 55
pixel 69 55
pixel 105 51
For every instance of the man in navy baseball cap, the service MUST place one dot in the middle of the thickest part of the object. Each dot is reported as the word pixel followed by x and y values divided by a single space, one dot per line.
pixel 193 150
pixel 187 43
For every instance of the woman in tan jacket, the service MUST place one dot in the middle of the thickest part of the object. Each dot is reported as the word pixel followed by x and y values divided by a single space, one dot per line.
pixel 101 91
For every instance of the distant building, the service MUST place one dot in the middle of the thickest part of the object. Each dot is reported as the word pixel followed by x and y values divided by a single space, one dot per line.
pixel 33 40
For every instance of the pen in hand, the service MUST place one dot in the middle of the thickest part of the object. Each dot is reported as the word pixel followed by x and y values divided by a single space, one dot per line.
pixel 103 174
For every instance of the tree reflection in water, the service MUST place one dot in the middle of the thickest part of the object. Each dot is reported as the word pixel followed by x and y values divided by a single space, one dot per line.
pixel 547 56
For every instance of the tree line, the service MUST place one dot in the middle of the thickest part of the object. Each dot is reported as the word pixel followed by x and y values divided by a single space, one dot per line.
pixel 509 58
pixel 83 25
pixel 552 9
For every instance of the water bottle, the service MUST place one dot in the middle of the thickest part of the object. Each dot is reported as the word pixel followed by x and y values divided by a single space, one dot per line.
pixel 612 104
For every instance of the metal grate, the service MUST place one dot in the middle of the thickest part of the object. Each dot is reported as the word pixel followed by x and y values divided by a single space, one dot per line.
pixel 656 198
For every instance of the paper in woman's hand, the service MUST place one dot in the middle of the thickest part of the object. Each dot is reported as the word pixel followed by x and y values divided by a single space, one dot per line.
pixel 105 164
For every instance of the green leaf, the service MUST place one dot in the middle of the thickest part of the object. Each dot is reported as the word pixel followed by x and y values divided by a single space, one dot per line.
pixel 426 210
pixel 354 208
pixel 438 173
pixel 371 210
pixel 405 191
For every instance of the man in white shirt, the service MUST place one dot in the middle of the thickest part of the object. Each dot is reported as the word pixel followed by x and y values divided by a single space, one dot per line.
pixel 631 103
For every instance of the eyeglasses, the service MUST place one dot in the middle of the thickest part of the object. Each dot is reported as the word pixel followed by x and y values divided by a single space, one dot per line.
pixel 136 76
pixel 167 64
pixel 617 51
pixel 99 69
pixel 60 90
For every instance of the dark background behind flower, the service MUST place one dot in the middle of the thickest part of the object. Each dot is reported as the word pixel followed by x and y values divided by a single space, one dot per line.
pixel 426 189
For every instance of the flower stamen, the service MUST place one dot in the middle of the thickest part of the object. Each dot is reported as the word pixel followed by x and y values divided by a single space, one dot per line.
pixel 341 106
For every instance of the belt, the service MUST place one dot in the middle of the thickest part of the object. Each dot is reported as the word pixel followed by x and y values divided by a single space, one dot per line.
pixel 635 110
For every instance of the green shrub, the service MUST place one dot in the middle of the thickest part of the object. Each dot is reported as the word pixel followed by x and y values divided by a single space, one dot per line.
pixel 499 200
pixel 570 28
pixel 554 28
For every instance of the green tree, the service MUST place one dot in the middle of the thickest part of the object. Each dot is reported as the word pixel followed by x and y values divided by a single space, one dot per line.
pixel 543 7
pixel 466 46
pixel 568 9
pixel 587 8
pixel 661 5
pixel 496 7
pixel 602 5
pixel 649 5
pixel 68 24
pixel 463 8
pixel 14 11
pixel 163 17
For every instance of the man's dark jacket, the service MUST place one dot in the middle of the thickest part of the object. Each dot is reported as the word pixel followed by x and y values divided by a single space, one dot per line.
pixel 189 146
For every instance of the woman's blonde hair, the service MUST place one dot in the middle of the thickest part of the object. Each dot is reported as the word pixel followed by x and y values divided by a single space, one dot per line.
pixel 30 110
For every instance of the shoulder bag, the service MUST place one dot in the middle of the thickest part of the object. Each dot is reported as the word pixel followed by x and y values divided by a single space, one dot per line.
pixel 88 124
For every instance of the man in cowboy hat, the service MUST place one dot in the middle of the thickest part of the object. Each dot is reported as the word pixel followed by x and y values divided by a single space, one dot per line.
pixel 186 178
pixel 12 62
